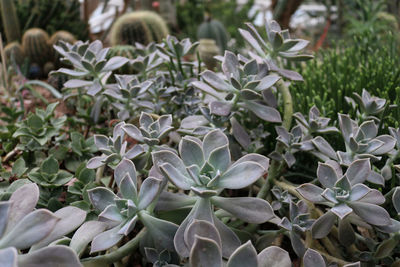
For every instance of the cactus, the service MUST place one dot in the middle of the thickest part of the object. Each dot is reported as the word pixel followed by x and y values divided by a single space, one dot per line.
pixel 35 44
pixel 207 50
pixel 10 20
pixel 213 29
pixel 13 51
pixel 138 26
pixel 127 51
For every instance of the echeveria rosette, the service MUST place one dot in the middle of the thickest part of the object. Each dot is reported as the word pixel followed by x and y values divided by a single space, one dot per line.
pixel 298 222
pixel 242 86
pixel 88 60
pixel 121 211
pixel 205 168
pixel 49 175
pixel 113 149
pixel 314 123
pixel 362 141
pixel 348 197
pixel 22 227
pixel 278 45
pixel 370 106
pixel 128 96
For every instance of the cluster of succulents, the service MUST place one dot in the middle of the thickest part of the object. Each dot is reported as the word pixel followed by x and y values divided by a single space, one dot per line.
pixel 175 165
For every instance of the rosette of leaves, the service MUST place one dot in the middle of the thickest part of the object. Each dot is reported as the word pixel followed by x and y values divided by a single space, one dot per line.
pixel 49 174
pixel 205 168
pixel 282 197
pixel 121 211
pixel 312 258
pixel 22 227
pixel 241 87
pixel 298 223
pixel 291 142
pixel 206 250
pixel 370 106
pixel 77 189
pixel 88 60
pixel 128 96
pixel 362 141
pixel 81 149
pixel 39 128
pixel 113 149
pixel 278 46
pixel 315 123
pixel 348 198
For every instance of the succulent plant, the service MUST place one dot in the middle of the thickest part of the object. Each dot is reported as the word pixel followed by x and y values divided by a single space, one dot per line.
pixel 13 51
pixel 37 130
pixel 314 258
pixel 370 106
pixel 205 168
pixel 350 200
pixel 242 87
pixel 314 123
pixel 22 228
pixel 35 43
pixel 121 212
pixel 127 51
pixel 113 148
pixel 10 20
pixel 49 175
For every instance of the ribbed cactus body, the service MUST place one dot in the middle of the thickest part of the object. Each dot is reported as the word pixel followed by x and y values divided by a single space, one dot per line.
pixel 127 51
pixel 10 20
pixel 35 43
pixel 139 26
pixel 13 51
pixel 213 29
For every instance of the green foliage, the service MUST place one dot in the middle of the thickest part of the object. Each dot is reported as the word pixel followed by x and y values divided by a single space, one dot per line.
pixel 141 27
pixel 345 70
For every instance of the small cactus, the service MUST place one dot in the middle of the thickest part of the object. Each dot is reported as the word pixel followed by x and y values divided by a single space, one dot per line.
pixel 13 51
pixel 35 44
pixel 127 51
pixel 10 20
pixel 213 29
pixel 138 26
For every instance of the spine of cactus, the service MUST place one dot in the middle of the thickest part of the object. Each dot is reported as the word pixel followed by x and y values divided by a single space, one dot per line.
pixel 10 20
pixel 127 51
pixel 139 26
pixel 35 44
pixel 213 29
pixel 13 51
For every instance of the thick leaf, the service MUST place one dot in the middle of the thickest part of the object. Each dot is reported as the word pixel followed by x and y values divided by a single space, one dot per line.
pixel 267 82
pixel 176 177
pixel 396 199
pixel 149 190
pixel 326 175
pixel 123 168
pixel 115 63
pixel 248 209
pixel 385 249
pixel 30 230
pixel 191 151
pixel 323 225
pixel 240 134
pixel 205 252
pixel 358 171
pixel 220 108
pixel 106 239
pixel 263 112
pixel 341 210
pixel 96 162
pixel 220 158
pixel 313 259
pixel 230 65
pixel 371 213
pixel 245 255
pixel 213 140
pixel 70 219
pixel 240 175
pixel 311 192
pixel 214 80
pixel 60 256
pixel 101 197
pixel 347 235
pixel 253 157
pixel 4 208
pixel 127 188
pixel 230 241
pixel 23 201
pixel 274 257
pixel 85 234
pixel 201 228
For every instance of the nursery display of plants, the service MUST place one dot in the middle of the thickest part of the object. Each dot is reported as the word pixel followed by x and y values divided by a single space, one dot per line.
pixel 145 157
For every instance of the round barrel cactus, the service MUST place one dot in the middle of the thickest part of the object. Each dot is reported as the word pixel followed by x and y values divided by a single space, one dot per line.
pixel 138 27
pixel 35 44
pixel 13 51
pixel 213 29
